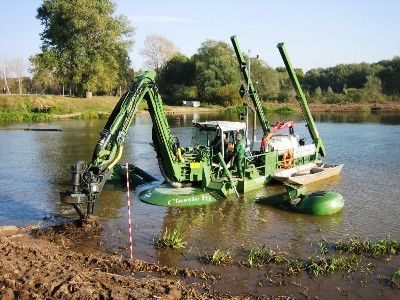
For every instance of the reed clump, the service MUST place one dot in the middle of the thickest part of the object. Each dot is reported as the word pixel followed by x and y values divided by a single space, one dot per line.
pixel 171 240
pixel 218 257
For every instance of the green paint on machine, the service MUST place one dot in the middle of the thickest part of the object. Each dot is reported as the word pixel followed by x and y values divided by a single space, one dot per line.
pixel 320 203
pixel 210 165
pixel 167 195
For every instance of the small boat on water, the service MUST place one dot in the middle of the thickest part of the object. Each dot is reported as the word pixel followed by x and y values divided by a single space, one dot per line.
pixel 308 173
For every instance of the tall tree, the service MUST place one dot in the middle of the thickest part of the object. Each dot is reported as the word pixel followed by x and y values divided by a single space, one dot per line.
pixel 217 73
pixel 390 76
pixel 5 72
pixel 157 51
pixel 265 78
pixel 177 80
pixel 19 68
pixel 82 42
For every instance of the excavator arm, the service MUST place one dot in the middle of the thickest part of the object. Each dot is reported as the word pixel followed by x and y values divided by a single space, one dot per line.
pixel 88 179
pixel 280 126
pixel 252 91
pixel 300 95
pixel 301 98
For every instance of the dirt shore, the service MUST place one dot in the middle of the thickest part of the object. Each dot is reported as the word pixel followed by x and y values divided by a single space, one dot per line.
pixel 45 264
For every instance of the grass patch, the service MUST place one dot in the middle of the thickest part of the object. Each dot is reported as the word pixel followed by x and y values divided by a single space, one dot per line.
pixel 396 274
pixel 267 109
pixel 386 246
pixel 218 257
pixel 393 280
pixel 349 257
pixel 327 265
pixel 21 107
pixel 262 255
pixel 89 115
pixel 24 117
pixel 172 240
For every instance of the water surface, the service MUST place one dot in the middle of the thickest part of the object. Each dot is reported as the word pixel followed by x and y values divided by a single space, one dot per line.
pixel 36 167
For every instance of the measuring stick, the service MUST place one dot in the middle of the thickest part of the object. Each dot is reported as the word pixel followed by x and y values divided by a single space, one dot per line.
pixel 129 211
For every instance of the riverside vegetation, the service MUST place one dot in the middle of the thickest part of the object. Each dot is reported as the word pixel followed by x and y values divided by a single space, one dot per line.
pixel 350 256
pixel 24 108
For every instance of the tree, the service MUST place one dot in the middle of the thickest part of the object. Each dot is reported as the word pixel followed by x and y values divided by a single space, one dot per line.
pixel 81 43
pixel 5 72
pixel 19 67
pixel 216 67
pixel 265 78
pixel 177 80
pixel 157 51
pixel 390 76
pixel 373 84
pixel 45 78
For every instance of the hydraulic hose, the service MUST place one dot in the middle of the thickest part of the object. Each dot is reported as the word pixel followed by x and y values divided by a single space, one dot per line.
pixel 117 158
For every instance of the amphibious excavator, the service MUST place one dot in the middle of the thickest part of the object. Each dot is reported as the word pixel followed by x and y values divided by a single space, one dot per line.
pixel 200 173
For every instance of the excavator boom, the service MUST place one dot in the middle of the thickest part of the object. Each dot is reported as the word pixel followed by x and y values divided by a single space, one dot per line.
pixel 203 171
pixel 88 179
pixel 301 98
pixel 252 91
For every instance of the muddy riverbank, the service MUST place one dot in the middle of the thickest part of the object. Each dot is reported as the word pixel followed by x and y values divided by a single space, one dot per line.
pixel 47 264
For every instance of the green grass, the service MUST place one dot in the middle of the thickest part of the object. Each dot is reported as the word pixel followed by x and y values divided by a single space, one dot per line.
pixel 396 274
pixel 281 110
pixel 386 246
pixel 268 108
pixel 24 117
pixel 392 280
pixel 350 256
pixel 262 255
pixel 21 107
pixel 218 257
pixel 171 240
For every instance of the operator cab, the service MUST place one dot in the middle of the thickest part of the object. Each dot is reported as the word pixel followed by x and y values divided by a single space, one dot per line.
pixel 218 136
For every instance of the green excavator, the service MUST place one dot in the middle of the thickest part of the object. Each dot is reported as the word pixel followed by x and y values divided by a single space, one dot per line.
pixel 202 172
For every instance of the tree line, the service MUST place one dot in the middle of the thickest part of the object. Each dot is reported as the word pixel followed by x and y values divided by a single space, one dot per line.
pixel 85 49
pixel 212 75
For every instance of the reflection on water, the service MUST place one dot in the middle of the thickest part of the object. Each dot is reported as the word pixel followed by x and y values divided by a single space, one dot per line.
pixel 358 117
pixel 36 166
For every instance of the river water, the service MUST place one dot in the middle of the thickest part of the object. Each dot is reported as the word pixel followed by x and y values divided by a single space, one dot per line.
pixel 36 167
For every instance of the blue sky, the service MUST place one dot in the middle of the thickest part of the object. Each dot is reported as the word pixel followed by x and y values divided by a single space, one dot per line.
pixel 317 33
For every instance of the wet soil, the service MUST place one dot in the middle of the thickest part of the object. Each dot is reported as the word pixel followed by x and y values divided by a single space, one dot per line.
pixel 49 264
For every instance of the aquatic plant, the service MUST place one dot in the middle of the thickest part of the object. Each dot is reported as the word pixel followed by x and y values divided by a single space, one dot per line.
pixel 393 280
pixel 257 256
pixel 322 247
pixel 24 117
pixel 354 245
pixel 173 240
pixel 327 265
pixel 386 246
pixel 262 255
pixel 218 257
pixel 88 115
pixel 396 274
pixel 285 110
pixel 295 267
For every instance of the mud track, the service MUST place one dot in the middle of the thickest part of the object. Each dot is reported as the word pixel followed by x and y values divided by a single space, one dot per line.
pixel 42 264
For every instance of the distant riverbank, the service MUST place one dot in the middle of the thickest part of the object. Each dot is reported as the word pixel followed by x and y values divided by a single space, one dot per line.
pixel 21 108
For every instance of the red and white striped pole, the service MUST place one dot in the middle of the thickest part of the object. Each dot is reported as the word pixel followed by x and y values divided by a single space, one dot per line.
pixel 129 211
